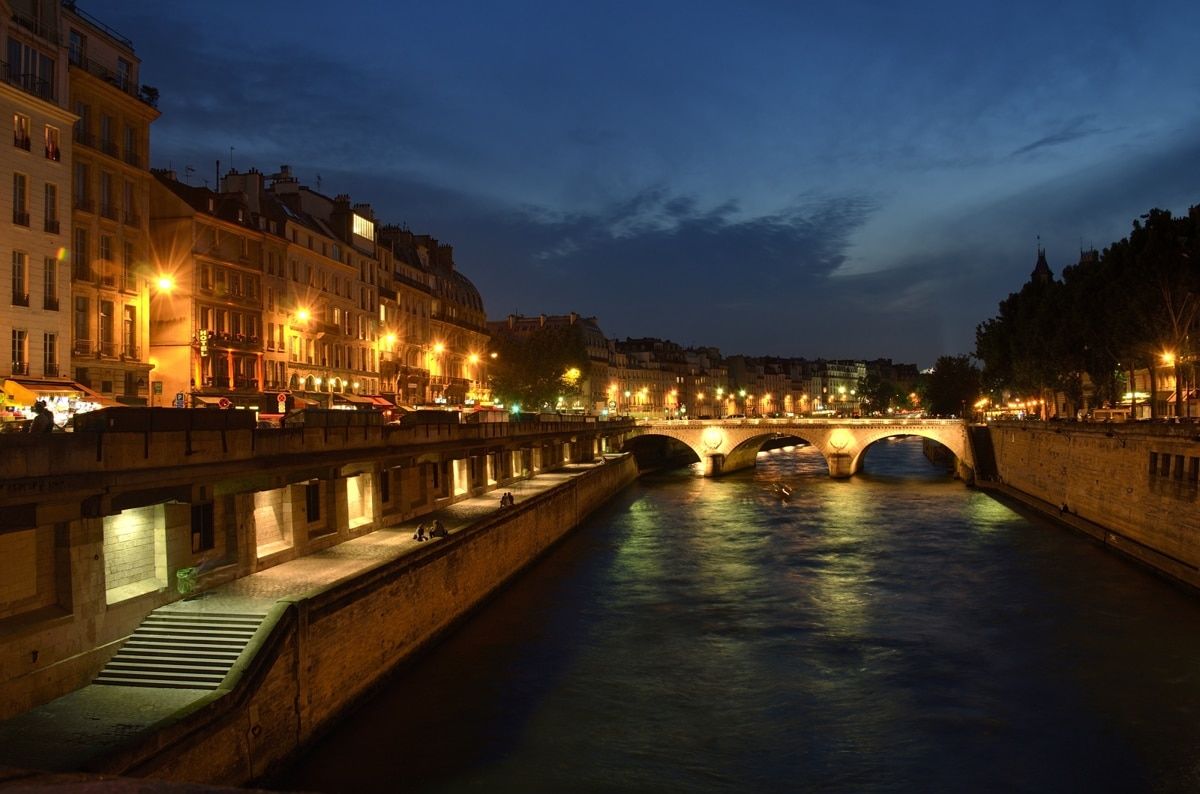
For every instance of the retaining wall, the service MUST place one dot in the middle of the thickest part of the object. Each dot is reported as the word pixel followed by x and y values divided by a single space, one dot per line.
pixel 1132 486
pixel 313 657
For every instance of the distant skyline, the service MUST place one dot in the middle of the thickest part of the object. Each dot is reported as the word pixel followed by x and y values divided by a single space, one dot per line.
pixel 856 180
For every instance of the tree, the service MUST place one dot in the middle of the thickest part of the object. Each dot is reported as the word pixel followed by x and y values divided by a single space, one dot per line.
pixel 953 386
pixel 533 370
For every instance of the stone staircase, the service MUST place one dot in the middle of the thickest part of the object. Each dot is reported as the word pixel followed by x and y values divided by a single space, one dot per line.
pixel 181 650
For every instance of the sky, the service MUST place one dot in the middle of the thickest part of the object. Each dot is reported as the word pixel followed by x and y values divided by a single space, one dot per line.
pixel 837 180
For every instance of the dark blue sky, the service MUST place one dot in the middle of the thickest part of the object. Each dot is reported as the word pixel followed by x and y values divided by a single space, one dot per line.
pixel 846 179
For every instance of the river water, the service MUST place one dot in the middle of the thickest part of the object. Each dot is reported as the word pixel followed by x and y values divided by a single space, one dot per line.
pixel 892 632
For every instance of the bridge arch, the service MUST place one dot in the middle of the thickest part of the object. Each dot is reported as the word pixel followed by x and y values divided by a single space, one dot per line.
pixel 729 445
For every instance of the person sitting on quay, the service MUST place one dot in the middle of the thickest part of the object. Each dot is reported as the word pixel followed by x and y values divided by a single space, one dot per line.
pixel 420 533
pixel 438 531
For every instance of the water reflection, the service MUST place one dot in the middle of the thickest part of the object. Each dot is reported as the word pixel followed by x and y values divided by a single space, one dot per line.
pixel 893 632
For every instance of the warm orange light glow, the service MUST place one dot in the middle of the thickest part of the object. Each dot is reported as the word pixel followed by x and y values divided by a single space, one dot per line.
pixel 1168 358
pixel 165 283
pixel 439 348
pixel 390 339
pixel 473 358
pixel 302 315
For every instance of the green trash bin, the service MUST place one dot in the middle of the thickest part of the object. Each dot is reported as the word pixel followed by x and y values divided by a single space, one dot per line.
pixel 185 580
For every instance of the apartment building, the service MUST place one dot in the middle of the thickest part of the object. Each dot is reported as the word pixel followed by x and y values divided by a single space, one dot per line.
pixel 109 225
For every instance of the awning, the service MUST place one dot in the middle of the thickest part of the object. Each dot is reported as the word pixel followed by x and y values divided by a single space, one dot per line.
pixel 204 399
pixel 382 402
pixel 29 390
pixel 353 398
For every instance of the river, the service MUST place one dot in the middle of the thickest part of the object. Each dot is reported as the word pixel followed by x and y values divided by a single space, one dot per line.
pixel 892 632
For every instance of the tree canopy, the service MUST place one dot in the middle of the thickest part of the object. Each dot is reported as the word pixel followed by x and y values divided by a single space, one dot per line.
pixel 953 386
pixel 1115 311
pixel 533 370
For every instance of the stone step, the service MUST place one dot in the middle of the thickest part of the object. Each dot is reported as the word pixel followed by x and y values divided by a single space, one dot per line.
pixel 178 649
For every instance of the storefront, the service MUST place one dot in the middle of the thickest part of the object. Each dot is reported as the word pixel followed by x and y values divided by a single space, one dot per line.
pixel 63 398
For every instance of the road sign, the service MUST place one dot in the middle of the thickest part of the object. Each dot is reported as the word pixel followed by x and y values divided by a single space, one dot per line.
pixel 178 399
pixel 223 402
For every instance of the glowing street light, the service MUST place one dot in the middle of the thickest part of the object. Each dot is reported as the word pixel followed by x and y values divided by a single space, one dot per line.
pixel 165 283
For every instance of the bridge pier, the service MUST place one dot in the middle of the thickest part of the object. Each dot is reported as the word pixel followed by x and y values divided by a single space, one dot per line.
pixel 713 465
pixel 841 465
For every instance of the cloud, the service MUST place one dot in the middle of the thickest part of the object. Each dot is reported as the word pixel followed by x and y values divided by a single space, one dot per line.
pixel 1075 130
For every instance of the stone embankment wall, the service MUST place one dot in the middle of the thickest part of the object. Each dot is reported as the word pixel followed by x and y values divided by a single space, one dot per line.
pixel 314 657
pixel 1133 486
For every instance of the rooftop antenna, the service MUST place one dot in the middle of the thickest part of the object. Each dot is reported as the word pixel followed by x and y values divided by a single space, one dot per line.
pixel 318 183
pixel 230 158
pixel 187 174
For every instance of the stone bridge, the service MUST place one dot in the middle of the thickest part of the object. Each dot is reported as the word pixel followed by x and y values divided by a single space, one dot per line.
pixel 726 445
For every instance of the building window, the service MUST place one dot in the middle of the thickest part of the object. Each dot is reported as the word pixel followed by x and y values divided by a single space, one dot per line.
pixel 20 352
pixel 20 199
pixel 81 260
pixel 106 252
pixel 83 188
pixel 20 278
pixel 130 206
pixel 78 47
pixel 129 347
pixel 107 329
pixel 107 208
pixel 50 354
pixel 124 73
pixel 53 150
pixel 203 536
pixel 51 209
pixel 21 131
pixel 128 277
pixel 82 324
pixel 50 285
pixel 83 127
pixel 385 485
pixel 131 151
pixel 312 500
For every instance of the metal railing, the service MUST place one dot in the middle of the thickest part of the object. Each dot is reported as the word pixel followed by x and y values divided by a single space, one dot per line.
pixel 20 298
pixel 20 368
pixel 52 225
pixel 22 142
pixel 21 217
pixel 50 303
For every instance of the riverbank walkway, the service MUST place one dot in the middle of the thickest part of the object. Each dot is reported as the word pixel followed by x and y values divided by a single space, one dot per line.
pixel 71 733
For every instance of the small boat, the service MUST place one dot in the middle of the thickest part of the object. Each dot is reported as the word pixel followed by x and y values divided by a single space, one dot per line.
pixel 782 491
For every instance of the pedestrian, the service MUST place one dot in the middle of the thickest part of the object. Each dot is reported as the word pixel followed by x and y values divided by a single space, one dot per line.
pixel 420 535
pixel 438 531
pixel 504 500
pixel 43 420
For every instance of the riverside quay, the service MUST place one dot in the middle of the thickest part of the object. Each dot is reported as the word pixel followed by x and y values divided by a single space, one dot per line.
pixel 142 507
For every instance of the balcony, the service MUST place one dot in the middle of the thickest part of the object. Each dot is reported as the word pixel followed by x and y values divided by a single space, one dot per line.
pixel 84 203
pixel 49 303
pixel 30 83
pixel 20 368
pixel 53 153
pixel 108 280
pixel 109 211
pixel 82 347
pixel 20 298
pixel 108 350
pixel 110 148
pixel 133 157
pixel 22 142
pixel 131 218
pixel 52 226
pixel 131 353
pixel 84 137
pixel 81 272
pixel 20 217
pixel 50 369
pixel 129 282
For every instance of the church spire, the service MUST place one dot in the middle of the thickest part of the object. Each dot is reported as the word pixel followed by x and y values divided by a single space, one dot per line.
pixel 1041 271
